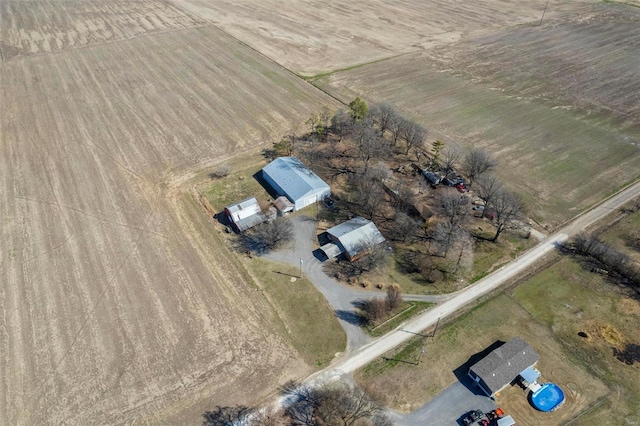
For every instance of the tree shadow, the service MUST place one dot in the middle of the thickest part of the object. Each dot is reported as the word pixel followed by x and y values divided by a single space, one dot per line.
pixel 461 372
pixel 352 317
pixel 590 264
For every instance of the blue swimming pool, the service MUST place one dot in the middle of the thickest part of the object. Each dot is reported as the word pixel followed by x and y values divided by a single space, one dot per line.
pixel 548 397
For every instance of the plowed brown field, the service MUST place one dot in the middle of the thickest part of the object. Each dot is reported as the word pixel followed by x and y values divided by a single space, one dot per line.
pixel 564 140
pixel 117 303
pixel 311 37
pixel 30 27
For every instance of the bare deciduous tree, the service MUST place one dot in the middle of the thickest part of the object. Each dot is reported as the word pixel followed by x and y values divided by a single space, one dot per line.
pixel 414 136
pixel 341 124
pixel 477 162
pixel 397 126
pixel 369 144
pixel 374 310
pixel 507 209
pixel 332 405
pixel 404 226
pixel 451 156
pixel 376 256
pixel 454 207
pixel 383 115
pixel 237 415
pixel 220 172
pixel 488 187
pixel 367 189
pixel 269 235
pixel 394 297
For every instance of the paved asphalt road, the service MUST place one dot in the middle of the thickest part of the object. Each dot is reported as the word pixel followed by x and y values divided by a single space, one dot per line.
pixel 363 356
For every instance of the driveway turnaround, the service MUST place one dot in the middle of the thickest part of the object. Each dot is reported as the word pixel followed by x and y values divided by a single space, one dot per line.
pixel 342 298
pixel 447 408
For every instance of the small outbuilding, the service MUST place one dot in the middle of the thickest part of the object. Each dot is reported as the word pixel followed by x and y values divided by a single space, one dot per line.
pixel 245 214
pixel 503 365
pixel 292 179
pixel 352 238
pixel 283 205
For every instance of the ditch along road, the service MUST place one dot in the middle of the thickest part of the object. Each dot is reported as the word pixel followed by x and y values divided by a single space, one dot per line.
pixel 376 348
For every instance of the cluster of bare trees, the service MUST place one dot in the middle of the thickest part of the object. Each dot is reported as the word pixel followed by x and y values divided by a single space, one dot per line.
pixel 333 405
pixel 611 259
pixel 324 405
pixel 378 309
pixel 267 236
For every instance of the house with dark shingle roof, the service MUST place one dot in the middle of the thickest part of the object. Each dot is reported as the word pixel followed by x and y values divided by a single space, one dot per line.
pixel 503 365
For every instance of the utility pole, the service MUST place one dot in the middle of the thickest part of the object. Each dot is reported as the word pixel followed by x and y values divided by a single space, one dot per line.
pixel 301 261
pixel 435 329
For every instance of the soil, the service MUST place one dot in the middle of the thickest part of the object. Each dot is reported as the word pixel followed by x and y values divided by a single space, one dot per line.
pixel 311 38
pixel 119 304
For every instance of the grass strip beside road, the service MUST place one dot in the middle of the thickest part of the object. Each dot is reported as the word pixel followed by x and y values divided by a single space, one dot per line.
pixel 409 310
pixel 311 324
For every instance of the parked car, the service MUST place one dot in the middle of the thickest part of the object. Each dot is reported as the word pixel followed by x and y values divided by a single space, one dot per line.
pixel 478 208
pixel 460 187
pixel 473 417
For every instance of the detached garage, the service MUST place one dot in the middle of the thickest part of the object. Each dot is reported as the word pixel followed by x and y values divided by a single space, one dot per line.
pixel 289 177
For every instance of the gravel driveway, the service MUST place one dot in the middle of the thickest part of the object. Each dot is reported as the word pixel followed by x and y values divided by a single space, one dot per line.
pixel 340 297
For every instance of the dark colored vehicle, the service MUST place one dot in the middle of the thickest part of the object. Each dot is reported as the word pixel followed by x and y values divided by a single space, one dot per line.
pixel 328 202
pixel 472 417
pixel 453 181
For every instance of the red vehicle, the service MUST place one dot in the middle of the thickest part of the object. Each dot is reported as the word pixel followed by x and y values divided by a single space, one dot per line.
pixel 460 187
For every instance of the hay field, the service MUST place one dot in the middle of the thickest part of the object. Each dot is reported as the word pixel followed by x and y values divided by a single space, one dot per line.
pixel 118 303
pixel 311 37
pixel 32 27
pixel 561 158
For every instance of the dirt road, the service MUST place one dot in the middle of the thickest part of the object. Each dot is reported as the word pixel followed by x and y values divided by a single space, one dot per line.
pixel 377 348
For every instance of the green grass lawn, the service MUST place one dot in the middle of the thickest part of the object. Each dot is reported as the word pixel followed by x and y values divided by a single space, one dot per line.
pixel 569 299
pixel 310 322
pixel 411 384
pixel 237 186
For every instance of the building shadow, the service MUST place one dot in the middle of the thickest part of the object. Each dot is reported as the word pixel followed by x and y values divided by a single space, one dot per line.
pixel 461 372
pixel 324 238
pixel 319 254
pixel 272 192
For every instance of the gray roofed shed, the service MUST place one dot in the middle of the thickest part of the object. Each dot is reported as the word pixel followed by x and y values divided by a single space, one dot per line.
pixel 245 214
pixel 503 365
pixel 289 177
pixel 354 234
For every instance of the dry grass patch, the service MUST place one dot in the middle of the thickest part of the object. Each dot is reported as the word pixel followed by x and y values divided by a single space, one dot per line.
pixel 498 319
